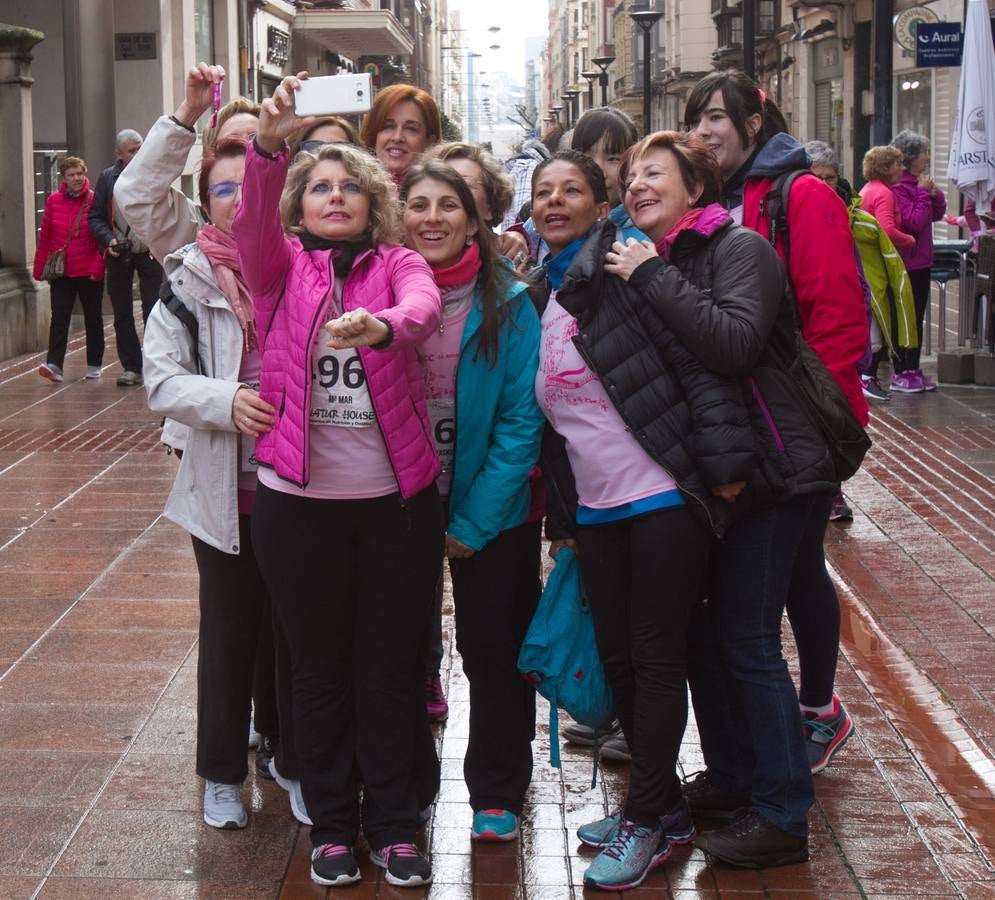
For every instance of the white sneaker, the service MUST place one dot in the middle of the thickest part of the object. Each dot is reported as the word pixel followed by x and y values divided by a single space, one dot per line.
pixel 223 807
pixel 293 789
pixel 50 371
pixel 93 372
pixel 129 379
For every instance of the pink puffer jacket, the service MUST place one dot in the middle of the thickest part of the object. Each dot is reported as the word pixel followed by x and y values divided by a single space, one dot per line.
pixel 292 290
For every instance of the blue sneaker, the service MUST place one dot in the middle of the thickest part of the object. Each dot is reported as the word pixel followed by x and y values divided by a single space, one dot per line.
pixel 635 851
pixel 676 826
pixel 494 825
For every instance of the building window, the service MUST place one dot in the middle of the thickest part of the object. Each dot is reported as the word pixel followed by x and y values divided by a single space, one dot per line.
pixel 730 30
pixel 913 101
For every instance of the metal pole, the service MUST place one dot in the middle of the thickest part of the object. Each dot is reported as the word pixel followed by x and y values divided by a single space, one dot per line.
pixel 882 12
pixel 604 88
pixel 471 131
pixel 646 81
pixel 590 93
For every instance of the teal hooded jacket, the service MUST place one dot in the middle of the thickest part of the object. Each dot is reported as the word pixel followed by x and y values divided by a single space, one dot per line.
pixel 498 424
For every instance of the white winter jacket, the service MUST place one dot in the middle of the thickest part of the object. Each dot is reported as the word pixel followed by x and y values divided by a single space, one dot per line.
pixel 162 217
pixel 204 498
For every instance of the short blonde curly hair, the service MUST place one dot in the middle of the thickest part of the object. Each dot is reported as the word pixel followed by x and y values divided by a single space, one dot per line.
pixel 385 209
pixel 498 186
pixel 878 160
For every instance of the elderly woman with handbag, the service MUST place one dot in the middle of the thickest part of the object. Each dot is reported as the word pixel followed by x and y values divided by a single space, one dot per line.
pixel 69 259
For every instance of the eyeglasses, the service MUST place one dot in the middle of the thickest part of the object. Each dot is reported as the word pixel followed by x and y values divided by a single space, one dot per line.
pixel 312 146
pixel 224 190
pixel 347 188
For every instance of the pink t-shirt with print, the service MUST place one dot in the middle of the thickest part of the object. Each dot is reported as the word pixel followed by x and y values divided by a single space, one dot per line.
pixel 609 466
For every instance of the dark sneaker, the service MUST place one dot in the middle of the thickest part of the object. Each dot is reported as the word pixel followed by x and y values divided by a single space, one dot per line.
pixel 840 511
pixel 403 865
pixel 264 753
pixel 435 700
pixel 333 865
pixel 872 388
pixel 707 800
pixel 575 733
pixel 634 852
pixel 825 735
pixel 754 843
pixel 223 807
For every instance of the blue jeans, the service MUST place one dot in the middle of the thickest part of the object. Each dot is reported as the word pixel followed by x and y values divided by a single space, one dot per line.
pixel 744 699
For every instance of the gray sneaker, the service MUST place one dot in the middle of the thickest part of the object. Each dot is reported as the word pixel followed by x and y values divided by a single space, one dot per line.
pixel 615 748
pixel 223 806
pixel 129 378
pixel 575 733
pixel 293 789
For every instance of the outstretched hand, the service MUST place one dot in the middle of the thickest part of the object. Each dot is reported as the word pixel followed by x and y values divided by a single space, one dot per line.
pixel 356 329
pixel 199 92
pixel 278 117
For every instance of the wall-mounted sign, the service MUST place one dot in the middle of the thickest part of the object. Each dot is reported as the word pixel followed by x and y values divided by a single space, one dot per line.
pixel 906 23
pixel 827 60
pixel 938 45
pixel 277 46
pixel 135 45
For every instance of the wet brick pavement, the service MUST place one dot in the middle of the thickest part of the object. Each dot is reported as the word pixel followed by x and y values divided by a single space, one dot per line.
pixel 98 618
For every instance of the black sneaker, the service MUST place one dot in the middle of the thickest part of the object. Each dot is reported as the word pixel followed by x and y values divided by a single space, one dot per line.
pixel 333 865
pixel 404 865
pixel 753 842
pixel 264 753
pixel 708 801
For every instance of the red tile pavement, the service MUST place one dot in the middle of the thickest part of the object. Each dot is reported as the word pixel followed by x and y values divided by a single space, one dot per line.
pixel 98 625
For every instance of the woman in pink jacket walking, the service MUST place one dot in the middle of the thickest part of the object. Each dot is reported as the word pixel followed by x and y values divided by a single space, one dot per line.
pixel 347 524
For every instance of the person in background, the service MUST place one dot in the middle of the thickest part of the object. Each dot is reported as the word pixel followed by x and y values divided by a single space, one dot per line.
pixel 882 169
pixel 126 256
pixel 64 226
pixel 921 203
pixel 975 224
pixel 520 169
pixel 347 524
pixel 209 389
pixel 887 281
pixel 746 132
pixel 326 130
pixel 402 123
pixel 480 370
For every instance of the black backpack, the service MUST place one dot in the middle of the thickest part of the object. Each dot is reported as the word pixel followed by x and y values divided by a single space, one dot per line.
pixel 815 388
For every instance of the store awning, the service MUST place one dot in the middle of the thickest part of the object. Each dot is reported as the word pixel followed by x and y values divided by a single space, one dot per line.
pixel 352 33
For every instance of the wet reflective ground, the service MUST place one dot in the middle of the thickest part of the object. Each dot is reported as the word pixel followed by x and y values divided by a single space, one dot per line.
pixel 98 796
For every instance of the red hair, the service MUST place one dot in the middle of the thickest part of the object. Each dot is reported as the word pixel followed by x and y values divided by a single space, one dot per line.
pixel 387 99
pixel 229 148
pixel 695 162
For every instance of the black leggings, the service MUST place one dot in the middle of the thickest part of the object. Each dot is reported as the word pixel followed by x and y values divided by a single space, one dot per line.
pixel 906 359
pixel 234 605
pixel 643 577
pixel 349 580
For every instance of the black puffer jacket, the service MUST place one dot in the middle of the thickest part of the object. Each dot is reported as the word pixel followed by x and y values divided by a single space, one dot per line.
pixel 691 421
pixel 725 298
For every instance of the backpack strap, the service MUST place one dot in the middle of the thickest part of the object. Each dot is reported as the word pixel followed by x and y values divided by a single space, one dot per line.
pixel 179 309
pixel 554 735
pixel 775 207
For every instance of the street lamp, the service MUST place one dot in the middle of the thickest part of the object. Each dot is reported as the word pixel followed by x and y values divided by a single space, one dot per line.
pixel 591 78
pixel 603 62
pixel 570 97
pixel 646 19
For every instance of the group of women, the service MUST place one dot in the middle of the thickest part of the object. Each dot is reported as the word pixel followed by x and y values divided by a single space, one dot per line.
pixel 362 384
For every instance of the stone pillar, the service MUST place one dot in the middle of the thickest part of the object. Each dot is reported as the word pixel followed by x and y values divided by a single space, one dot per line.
pixel 24 303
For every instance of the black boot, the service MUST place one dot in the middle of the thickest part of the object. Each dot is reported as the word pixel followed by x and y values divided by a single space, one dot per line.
pixel 754 843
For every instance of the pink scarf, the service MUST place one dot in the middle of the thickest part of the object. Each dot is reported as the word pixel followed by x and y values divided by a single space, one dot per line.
pixel 688 220
pixel 462 272
pixel 222 253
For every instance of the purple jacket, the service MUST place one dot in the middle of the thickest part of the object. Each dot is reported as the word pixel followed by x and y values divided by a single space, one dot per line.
pixel 292 290
pixel 918 211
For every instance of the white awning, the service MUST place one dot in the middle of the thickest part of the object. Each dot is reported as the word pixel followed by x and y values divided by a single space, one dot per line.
pixel 351 32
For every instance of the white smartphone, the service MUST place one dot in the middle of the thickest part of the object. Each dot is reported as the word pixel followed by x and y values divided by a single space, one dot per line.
pixel 328 95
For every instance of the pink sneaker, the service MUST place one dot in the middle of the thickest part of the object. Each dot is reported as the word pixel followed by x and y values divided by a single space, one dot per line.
pixel 435 700
pixel 927 383
pixel 906 383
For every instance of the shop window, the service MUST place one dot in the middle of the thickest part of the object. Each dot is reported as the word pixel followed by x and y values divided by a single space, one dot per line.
pixel 914 101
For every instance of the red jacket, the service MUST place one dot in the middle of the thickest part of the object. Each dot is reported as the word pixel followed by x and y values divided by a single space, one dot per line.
pixel 827 288
pixel 83 259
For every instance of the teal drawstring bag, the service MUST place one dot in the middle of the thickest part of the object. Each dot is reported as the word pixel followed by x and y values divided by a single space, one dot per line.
pixel 560 656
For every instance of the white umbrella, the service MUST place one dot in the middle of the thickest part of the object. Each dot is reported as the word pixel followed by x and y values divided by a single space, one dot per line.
pixel 972 151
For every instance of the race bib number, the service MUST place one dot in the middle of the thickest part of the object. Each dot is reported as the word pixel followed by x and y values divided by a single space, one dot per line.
pixel 339 393
pixel 441 413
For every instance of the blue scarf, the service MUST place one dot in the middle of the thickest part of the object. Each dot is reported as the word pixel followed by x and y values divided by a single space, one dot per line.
pixel 556 266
